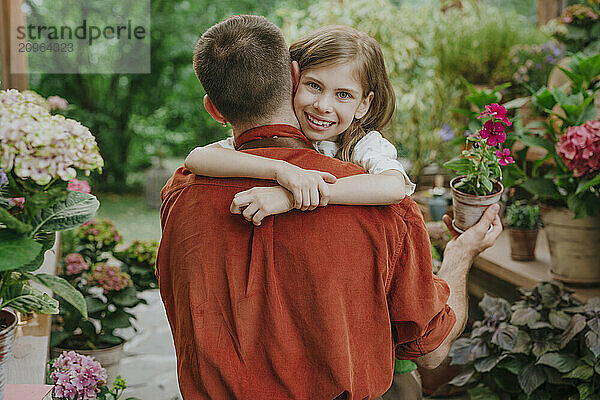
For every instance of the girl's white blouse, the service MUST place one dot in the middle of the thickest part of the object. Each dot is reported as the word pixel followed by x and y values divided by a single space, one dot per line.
pixel 373 152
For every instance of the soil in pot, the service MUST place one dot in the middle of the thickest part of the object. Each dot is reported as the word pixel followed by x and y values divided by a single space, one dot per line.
pixel 522 244
pixel 468 208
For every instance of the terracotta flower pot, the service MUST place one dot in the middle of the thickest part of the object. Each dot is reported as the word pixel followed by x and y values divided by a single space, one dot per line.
pixel 7 338
pixel 522 244
pixel 109 358
pixel 468 208
pixel 574 245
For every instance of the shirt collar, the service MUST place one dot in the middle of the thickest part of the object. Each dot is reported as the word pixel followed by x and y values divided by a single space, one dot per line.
pixel 267 131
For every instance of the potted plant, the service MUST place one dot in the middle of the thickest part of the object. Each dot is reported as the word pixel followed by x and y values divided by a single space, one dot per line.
pixel 479 168
pixel 39 154
pixel 569 187
pixel 76 376
pixel 544 346
pixel 523 221
pixel 139 261
pixel 109 293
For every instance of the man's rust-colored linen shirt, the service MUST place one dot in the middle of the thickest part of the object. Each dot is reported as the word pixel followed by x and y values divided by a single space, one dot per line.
pixel 308 305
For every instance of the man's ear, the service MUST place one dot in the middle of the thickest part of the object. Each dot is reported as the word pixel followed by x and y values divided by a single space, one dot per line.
pixel 364 106
pixel 212 110
pixel 295 75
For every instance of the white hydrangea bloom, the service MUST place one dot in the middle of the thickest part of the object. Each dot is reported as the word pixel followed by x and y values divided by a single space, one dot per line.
pixel 41 146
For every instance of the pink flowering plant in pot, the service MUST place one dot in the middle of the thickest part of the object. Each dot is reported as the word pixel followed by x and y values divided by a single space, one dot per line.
pixel 79 377
pixel 479 167
pixel 569 174
pixel 109 293
pixel 40 153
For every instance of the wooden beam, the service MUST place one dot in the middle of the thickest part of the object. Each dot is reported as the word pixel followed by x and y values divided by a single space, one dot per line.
pixel 10 11
pixel 549 9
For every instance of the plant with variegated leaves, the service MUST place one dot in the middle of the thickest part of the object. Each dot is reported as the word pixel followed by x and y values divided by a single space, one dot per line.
pixel 545 346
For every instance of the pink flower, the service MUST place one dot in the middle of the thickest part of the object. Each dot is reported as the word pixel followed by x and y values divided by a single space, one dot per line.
pixel 493 132
pixel 579 148
pixel 75 185
pixel 17 201
pixel 109 278
pixel 504 157
pixel 76 376
pixel 57 103
pixel 496 111
pixel 75 264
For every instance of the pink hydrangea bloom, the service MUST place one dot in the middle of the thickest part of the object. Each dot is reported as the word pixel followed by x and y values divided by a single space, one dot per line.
pixel 75 264
pixel 493 132
pixel 17 201
pixel 56 103
pixel 76 376
pixel 497 111
pixel 504 157
pixel 579 148
pixel 109 278
pixel 75 185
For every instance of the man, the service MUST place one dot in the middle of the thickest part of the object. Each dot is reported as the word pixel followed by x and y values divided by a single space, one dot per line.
pixel 308 305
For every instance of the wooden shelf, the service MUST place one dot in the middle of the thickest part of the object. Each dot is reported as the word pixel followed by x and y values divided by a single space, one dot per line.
pixel 495 273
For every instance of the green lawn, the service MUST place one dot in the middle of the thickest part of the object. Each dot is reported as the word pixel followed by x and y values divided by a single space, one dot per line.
pixel 133 219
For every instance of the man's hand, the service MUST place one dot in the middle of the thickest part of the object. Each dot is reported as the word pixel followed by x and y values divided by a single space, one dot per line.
pixel 260 202
pixel 309 187
pixel 479 237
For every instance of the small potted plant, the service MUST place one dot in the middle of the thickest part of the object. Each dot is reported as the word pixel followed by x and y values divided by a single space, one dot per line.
pixel 544 346
pixel 479 168
pixel 523 221
pixel 76 376
pixel 108 291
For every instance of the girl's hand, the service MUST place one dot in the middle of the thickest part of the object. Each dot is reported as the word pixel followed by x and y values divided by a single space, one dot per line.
pixel 309 187
pixel 260 202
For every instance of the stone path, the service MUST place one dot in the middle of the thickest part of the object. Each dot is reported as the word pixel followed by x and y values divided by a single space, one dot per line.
pixel 149 365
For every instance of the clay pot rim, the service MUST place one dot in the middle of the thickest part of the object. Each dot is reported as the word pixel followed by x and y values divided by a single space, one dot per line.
pixel 14 323
pixel 485 196
pixel 512 228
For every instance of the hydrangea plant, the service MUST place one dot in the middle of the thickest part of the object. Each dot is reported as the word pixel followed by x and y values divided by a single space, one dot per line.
pixel 520 215
pixel 40 153
pixel 483 156
pixel 139 261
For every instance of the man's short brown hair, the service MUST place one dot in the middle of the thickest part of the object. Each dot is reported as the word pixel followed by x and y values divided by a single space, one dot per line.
pixel 243 64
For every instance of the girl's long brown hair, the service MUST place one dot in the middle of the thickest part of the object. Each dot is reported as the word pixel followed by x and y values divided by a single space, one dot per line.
pixel 339 43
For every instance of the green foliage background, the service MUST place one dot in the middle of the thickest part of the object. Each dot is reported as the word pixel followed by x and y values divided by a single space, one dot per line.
pixel 136 117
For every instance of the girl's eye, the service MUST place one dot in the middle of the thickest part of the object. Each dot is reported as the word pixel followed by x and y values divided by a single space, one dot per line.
pixel 313 85
pixel 344 95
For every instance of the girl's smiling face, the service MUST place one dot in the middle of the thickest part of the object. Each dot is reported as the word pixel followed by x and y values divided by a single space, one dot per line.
pixel 328 99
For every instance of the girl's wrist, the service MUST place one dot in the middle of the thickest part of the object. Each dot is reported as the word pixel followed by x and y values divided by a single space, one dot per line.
pixel 277 169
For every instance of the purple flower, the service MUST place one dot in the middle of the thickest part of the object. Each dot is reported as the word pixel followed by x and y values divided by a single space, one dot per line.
pixel 493 132
pixel 3 177
pixel 446 133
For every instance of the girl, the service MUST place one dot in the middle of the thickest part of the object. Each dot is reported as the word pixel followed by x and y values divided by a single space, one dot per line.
pixel 343 98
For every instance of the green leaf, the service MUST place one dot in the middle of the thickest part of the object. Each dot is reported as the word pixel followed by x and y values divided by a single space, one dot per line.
pixel 460 352
pixel 88 328
pixel 487 364
pixel 592 340
pixel 531 378
pixel 559 319
pixel 487 184
pixel 126 297
pixel 112 339
pixel 495 306
pixel 12 223
pixel 463 377
pixel 586 184
pixel 589 67
pixel 544 99
pixel 57 337
pixel 594 325
pixel 542 187
pixel 523 343
pixel 585 391
pixel 536 141
pixel 505 336
pixel 94 305
pixel 63 289
pixel 562 362
pixel 516 103
pixel 404 366
pixel 16 251
pixel 460 165
pixel 34 302
pixel 70 213
pixel 581 372
pixel 117 319
pixel 512 365
pixel 525 316
pixel 507 381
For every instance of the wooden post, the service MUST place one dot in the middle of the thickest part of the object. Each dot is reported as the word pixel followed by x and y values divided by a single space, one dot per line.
pixel 10 11
pixel 549 9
